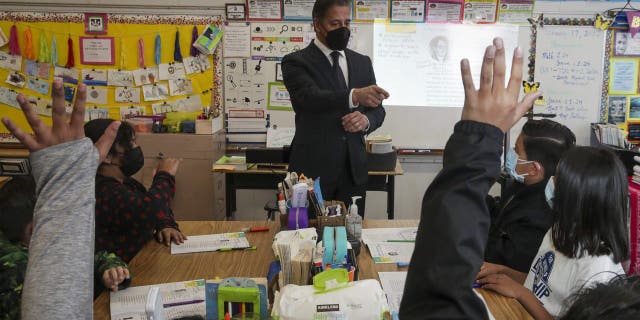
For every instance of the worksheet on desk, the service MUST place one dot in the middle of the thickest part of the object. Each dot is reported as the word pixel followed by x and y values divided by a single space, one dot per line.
pixel 211 242
pixel 370 235
pixel 391 252
pixel 393 286
pixel 180 299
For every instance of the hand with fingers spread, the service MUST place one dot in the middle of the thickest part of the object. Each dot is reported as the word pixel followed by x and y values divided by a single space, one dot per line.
pixel 494 103
pixel 167 235
pixel 62 130
pixel 355 122
pixel 370 96
pixel 113 277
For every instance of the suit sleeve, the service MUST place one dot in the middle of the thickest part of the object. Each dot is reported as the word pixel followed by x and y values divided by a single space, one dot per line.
pixel 375 115
pixel 453 228
pixel 306 95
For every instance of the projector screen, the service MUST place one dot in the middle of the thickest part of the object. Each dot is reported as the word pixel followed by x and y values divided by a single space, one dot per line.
pixel 419 64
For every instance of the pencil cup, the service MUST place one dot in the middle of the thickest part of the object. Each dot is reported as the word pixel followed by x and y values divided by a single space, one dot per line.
pixel 298 218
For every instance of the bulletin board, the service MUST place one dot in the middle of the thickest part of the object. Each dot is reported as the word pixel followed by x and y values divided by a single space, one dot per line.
pixel 134 85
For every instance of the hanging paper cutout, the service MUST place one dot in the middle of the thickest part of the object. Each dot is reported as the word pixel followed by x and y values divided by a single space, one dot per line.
pixel 14 46
pixel 54 50
pixel 44 55
pixel 158 50
pixel 194 52
pixel 70 58
pixel 141 53
pixel 28 46
pixel 177 55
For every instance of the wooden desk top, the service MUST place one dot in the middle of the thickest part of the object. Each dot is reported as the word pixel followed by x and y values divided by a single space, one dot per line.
pixel 155 264
pixel 253 169
pixel 14 153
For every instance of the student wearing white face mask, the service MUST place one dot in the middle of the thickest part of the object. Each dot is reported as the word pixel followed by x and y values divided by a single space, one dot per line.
pixel 521 218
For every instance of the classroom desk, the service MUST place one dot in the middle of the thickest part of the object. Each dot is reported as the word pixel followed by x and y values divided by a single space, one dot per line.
pixel 154 264
pixel 254 178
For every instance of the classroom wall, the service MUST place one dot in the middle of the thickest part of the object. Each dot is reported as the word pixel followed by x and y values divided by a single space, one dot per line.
pixel 418 173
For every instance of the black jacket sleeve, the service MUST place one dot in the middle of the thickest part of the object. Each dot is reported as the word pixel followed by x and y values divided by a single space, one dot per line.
pixel 453 228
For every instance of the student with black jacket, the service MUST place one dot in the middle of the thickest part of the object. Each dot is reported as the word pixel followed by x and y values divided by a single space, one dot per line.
pixel 455 218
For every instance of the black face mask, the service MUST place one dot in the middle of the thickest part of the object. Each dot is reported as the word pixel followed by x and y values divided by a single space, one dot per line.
pixel 338 39
pixel 133 161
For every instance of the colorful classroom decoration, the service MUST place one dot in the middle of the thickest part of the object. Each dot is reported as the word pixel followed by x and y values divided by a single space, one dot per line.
pixel 116 68
pixel 28 40
pixel 194 37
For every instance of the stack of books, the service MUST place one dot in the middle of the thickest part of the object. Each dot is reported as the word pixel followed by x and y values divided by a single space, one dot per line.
pixel 636 171
pixel 611 134
pixel 247 126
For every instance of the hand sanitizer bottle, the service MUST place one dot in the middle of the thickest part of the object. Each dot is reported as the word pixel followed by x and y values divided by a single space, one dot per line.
pixel 354 220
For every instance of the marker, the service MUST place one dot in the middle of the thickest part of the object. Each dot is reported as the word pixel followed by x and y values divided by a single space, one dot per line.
pixel 255 229
pixel 182 303
pixel 477 285
pixel 233 249
pixel 403 264
pixel 410 241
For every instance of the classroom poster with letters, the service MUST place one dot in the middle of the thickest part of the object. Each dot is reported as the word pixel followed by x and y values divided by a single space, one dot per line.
pixel 480 11
pixel 94 50
pixel 264 10
pixel 623 78
pixel 279 98
pixel 515 11
pixel 237 40
pixel 446 11
pixel 408 10
pixel 298 9
pixel 370 10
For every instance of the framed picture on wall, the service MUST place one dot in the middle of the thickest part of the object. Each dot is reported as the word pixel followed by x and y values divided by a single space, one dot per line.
pixel 625 45
pixel 235 11
pixel 95 23
pixel 617 109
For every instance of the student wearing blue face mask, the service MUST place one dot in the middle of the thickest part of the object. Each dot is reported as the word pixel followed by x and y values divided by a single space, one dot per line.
pixel 522 216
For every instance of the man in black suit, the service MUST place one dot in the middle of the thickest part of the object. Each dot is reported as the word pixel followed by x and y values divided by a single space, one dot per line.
pixel 336 102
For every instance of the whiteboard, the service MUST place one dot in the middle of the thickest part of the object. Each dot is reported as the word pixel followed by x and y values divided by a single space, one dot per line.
pixel 412 126
pixel 569 67
pixel 420 63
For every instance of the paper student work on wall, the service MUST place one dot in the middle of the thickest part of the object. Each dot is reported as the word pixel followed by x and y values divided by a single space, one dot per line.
pixel 211 242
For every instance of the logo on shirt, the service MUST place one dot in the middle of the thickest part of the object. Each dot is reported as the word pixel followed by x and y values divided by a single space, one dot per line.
pixel 541 272
pixel 327 307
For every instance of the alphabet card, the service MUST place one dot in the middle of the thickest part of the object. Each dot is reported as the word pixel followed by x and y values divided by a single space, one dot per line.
pixel 97 95
pixel 196 64
pixel 130 112
pixel 37 85
pixel 128 95
pixel 155 92
pixel 10 62
pixel 8 97
pixel 16 79
pixel 170 71
pixel 37 69
pixel 180 87
pixel 148 75
pixel 68 75
pixel 92 77
pixel 120 78
pixel 96 113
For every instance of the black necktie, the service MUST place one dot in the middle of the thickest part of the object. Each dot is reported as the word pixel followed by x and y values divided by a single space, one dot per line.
pixel 337 71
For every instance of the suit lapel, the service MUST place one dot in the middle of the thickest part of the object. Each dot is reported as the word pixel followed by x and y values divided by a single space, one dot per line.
pixel 318 59
pixel 350 67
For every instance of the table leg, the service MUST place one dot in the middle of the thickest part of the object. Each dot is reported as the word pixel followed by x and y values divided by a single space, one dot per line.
pixel 391 188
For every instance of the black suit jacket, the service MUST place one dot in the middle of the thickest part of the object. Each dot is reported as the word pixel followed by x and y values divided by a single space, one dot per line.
pixel 321 146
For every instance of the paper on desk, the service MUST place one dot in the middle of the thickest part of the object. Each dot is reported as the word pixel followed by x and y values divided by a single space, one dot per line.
pixel 391 252
pixel 385 234
pixel 130 303
pixel 393 286
pixel 211 242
